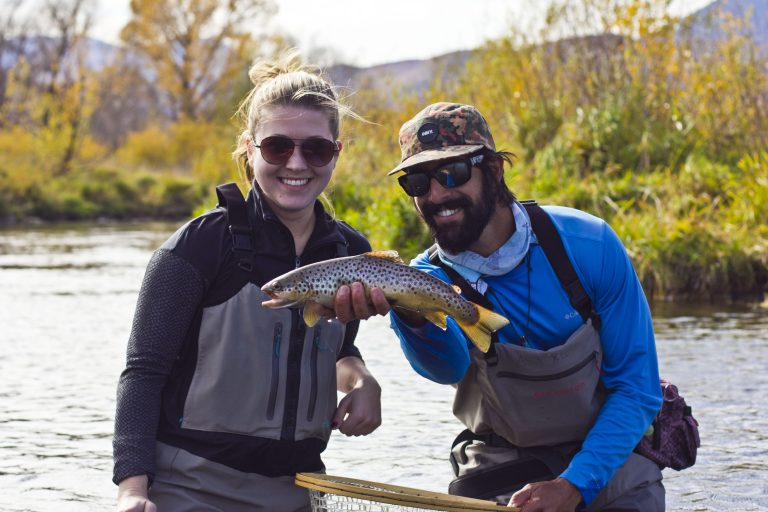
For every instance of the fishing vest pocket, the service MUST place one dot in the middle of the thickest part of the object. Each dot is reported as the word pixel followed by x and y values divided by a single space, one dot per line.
pixel 274 374
pixel 317 400
pixel 239 378
pixel 534 397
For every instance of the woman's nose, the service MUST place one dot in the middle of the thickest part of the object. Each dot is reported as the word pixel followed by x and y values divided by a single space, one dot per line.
pixel 296 161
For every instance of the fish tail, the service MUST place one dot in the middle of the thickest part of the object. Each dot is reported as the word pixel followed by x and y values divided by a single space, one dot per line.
pixel 480 332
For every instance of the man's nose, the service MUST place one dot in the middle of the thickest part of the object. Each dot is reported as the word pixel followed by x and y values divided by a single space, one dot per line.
pixel 437 192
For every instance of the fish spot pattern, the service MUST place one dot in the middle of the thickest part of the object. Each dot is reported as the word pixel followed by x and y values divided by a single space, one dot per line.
pixel 404 285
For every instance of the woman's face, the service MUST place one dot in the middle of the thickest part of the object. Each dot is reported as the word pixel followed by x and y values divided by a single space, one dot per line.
pixel 292 187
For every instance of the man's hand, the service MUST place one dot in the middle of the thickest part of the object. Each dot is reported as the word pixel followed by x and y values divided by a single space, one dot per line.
pixel 558 495
pixel 132 495
pixel 352 303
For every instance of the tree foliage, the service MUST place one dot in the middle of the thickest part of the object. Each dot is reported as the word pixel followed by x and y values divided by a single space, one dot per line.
pixel 614 107
pixel 195 47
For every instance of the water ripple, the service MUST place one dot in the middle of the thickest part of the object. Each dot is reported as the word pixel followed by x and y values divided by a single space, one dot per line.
pixel 66 307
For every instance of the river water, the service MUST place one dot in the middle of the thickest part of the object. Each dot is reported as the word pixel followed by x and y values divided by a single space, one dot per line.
pixel 67 295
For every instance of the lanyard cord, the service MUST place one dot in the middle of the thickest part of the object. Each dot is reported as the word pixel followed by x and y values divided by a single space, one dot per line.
pixel 527 333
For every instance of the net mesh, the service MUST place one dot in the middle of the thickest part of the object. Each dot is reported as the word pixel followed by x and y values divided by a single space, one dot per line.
pixel 324 502
pixel 330 493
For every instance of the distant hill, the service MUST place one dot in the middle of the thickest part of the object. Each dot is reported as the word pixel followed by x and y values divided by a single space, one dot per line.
pixel 758 9
pixel 415 75
pixel 407 74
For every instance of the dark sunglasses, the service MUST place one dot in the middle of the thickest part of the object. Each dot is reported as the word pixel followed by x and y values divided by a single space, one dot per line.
pixel 317 151
pixel 416 181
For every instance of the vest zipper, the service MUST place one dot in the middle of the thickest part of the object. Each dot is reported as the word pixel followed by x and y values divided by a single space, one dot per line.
pixel 313 374
pixel 293 377
pixel 275 381
pixel 554 376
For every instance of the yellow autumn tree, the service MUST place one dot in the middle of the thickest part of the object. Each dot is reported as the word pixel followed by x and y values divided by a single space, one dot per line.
pixel 195 48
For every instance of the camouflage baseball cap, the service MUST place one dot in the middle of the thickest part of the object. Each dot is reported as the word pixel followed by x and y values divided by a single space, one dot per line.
pixel 442 130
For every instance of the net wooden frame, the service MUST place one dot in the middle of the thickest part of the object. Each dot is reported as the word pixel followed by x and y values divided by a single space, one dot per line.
pixel 403 498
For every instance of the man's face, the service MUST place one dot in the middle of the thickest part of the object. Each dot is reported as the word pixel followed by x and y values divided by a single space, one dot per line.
pixel 457 216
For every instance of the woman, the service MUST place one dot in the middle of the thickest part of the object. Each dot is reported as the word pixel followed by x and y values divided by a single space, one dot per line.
pixel 223 401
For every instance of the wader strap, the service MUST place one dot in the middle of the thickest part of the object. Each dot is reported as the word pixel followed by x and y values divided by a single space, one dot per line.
pixel 546 454
pixel 552 244
pixel 231 199
pixel 502 478
pixel 550 241
pixel 531 465
pixel 469 292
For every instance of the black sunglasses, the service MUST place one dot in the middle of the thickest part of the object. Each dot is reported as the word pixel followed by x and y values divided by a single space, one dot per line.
pixel 317 151
pixel 416 181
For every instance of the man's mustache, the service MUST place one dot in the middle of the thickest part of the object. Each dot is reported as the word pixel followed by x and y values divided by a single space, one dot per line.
pixel 430 209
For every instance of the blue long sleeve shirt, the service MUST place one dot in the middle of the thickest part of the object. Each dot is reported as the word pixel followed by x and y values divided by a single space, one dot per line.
pixel 531 297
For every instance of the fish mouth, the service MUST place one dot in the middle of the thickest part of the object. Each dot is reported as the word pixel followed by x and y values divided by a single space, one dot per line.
pixel 276 301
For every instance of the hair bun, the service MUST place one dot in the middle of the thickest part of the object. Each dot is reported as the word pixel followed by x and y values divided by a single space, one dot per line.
pixel 288 62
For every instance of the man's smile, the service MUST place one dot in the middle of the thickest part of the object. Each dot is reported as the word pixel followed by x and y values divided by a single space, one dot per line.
pixel 447 212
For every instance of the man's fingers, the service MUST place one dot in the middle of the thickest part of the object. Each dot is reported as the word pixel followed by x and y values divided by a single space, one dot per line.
pixel 379 301
pixel 360 302
pixel 352 302
pixel 521 496
pixel 342 304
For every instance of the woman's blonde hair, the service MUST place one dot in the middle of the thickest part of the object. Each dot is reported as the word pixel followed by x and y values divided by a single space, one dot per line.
pixel 285 82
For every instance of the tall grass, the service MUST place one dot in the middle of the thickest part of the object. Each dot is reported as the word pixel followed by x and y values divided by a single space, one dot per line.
pixel 657 128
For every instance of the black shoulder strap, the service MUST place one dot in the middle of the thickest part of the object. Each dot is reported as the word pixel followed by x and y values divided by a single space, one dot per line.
pixel 552 244
pixel 469 292
pixel 231 199
pixel 458 280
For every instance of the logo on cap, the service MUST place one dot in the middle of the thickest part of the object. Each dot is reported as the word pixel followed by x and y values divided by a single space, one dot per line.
pixel 427 133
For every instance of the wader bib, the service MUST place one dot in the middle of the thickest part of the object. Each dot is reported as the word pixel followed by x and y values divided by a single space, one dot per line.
pixel 260 372
pixel 528 410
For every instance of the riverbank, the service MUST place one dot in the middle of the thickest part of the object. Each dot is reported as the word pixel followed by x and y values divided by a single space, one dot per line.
pixel 748 293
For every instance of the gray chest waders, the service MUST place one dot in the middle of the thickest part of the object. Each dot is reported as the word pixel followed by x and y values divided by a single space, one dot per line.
pixel 519 402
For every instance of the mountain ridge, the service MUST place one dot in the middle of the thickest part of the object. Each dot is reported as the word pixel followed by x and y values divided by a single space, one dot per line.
pixel 417 74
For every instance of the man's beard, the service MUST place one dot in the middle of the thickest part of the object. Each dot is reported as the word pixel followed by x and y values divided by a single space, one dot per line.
pixel 456 237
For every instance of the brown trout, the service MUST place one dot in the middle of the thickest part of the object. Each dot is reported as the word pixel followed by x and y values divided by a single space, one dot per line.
pixel 404 287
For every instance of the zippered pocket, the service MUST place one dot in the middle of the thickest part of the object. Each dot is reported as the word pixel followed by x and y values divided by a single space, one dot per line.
pixel 554 376
pixel 313 373
pixel 277 338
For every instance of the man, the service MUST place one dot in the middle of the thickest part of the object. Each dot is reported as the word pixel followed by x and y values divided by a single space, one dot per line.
pixel 570 440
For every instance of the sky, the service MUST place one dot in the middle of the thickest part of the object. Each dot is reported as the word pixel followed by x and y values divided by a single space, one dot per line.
pixel 366 33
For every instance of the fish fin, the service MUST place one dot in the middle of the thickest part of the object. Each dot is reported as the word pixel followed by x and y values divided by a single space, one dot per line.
pixel 386 255
pixel 313 313
pixel 480 332
pixel 438 318
pixel 456 288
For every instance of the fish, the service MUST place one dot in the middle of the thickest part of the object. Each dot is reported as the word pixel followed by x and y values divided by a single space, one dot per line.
pixel 314 287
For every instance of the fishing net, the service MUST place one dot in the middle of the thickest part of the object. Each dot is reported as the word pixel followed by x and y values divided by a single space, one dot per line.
pixel 330 493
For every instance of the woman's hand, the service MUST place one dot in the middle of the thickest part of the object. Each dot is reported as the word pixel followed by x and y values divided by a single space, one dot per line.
pixel 359 412
pixel 132 495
